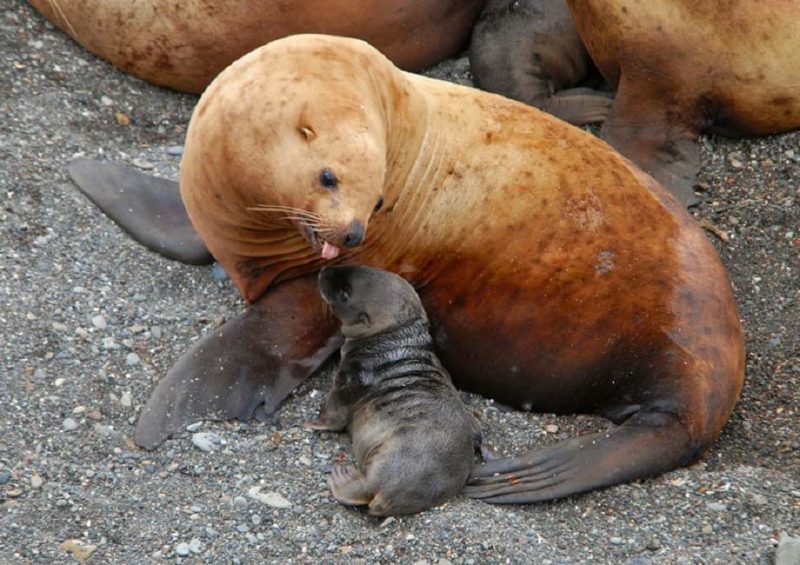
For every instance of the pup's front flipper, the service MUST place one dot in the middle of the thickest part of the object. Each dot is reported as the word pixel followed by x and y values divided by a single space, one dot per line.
pixel 148 208
pixel 645 445
pixel 257 358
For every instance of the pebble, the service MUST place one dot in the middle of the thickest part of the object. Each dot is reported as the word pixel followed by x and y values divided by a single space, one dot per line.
pixel 218 273
pixel 5 478
pixel 132 359
pixel 206 441
pixel 126 400
pixel 182 549
pixel 103 431
pixel 239 502
pixel 59 327
pixel 109 343
pixel 59 381
pixel 615 541
pixel 36 481
pixel 788 552
pixel 243 528
pixel 69 424
pixel 81 550
pixel 256 519
pixel 14 493
pixel 106 101
pixel 551 428
pixel 716 507
pixel 142 164
pixel 653 545
pixel 194 427
pixel 195 546
pixel 99 322
pixel 270 498
pixel 155 331
pixel 707 529
pixel 150 468
pixel 176 150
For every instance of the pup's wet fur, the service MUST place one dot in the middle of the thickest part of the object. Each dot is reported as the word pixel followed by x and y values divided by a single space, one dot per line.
pixel 412 436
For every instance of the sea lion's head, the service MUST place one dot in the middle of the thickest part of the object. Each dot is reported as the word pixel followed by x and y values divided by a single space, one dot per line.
pixel 367 300
pixel 287 154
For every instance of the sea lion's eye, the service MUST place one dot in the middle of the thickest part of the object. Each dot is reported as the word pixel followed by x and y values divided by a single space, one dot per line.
pixel 328 179
pixel 344 294
pixel 379 205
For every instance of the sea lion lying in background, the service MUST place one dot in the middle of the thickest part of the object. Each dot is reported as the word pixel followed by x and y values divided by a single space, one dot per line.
pixel 557 276
pixel 412 436
pixel 680 69
pixel 184 44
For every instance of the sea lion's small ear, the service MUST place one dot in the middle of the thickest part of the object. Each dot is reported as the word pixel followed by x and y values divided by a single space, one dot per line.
pixel 307 132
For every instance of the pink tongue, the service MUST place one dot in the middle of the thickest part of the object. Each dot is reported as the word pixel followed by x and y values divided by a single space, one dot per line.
pixel 329 251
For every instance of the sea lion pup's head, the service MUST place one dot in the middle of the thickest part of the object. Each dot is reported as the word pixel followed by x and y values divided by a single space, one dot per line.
pixel 289 151
pixel 369 301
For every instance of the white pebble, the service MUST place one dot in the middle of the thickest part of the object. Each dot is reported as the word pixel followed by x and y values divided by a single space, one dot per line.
pixel 69 424
pixel 99 322
pixel 270 498
pixel 132 359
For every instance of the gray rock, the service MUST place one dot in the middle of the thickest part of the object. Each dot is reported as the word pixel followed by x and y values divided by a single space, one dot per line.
pixel 99 322
pixel 132 359
pixel 207 441
pixel 69 424
pixel 788 552
pixel 182 549
pixel 176 150
pixel 5 478
pixel 195 546
pixel 218 273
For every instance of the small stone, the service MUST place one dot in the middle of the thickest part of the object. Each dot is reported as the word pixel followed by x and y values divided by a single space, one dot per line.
pixel 256 519
pixel 304 460
pixel 59 381
pixel 551 429
pixel 155 331
pixel 14 493
pixel 653 545
pixel 176 150
pixel 242 528
pixel 735 160
pixel 387 521
pixel 616 541
pixel 36 481
pixel 788 552
pixel 218 273
pixel 194 427
pixel 103 431
pixel 182 549
pixel 142 164
pixel 239 503
pixel 82 333
pixel 122 118
pixel 69 424
pixel 270 498
pixel 760 499
pixel 206 441
pixel 78 548
pixel 137 329
pixel 126 400
pixel 5 478
pixel 99 322
pixel 195 546
pixel 716 507
pixel 707 529
pixel 132 359
pixel 150 468
pixel 106 101
pixel 95 415
pixel 59 327
pixel 109 343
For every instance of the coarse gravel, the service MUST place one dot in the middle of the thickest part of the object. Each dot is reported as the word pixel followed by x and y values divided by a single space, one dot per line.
pixel 89 320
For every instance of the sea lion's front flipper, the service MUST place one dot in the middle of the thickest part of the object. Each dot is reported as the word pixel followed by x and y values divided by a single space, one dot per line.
pixel 658 138
pixel 645 445
pixel 257 358
pixel 528 51
pixel 150 209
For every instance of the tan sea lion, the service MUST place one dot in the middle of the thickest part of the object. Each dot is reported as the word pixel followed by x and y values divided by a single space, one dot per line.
pixel 412 436
pixel 556 275
pixel 680 67
pixel 184 44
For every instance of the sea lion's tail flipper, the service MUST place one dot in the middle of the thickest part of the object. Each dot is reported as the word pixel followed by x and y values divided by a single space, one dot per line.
pixel 150 209
pixel 257 358
pixel 645 445
pixel 660 139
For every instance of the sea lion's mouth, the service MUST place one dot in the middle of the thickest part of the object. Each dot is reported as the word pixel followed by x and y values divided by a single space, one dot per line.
pixel 318 244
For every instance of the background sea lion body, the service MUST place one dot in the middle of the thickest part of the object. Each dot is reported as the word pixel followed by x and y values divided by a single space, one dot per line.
pixel 557 276
pixel 680 68
pixel 412 436
pixel 184 44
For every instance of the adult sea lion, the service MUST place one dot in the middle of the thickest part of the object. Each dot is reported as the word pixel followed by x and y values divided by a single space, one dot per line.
pixel 184 44
pixel 681 68
pixel 557 276
pixel 412 436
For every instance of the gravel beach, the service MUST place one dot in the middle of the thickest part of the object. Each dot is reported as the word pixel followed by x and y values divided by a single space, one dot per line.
pixel 89 320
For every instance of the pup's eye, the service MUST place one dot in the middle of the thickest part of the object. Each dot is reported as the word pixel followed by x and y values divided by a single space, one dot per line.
pixel 344 294
pixel 379 205
pixel 328 179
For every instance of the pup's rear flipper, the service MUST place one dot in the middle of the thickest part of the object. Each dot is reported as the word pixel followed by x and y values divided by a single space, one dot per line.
pixel 661 139
pixel 349 486
pixel 645 445
pixel 150 209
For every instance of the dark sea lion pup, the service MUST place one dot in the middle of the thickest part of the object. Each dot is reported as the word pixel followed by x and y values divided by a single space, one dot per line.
pixel 412 436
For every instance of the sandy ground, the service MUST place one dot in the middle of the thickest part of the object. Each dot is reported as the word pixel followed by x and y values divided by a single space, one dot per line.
pixel 89 319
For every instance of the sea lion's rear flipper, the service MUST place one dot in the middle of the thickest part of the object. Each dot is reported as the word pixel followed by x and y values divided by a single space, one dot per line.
pixel 645 445
pixel 150 209
pixel 349 485
pixel 661 140
pixel 257 358
pixel 530 53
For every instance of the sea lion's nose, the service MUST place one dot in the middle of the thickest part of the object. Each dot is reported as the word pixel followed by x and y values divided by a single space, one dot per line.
pixel 355 234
